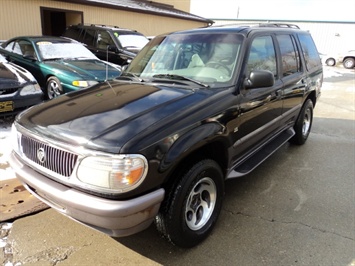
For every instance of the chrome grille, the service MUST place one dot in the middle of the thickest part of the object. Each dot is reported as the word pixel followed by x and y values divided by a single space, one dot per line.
pixel 56 160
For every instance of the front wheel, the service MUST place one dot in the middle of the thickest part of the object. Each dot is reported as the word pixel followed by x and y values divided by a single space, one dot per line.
pixel 349 63
pixel 190 210
pixel 303 124
pixel 53 88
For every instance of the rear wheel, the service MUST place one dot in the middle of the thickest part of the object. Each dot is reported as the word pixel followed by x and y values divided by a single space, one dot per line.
pixel 330 62
pixel 53 88
pixel 303 124
pixel 190 210
pixel 349 63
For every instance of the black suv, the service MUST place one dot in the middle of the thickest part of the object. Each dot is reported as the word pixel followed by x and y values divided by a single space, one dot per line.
pixel 117 45
pixel 193 109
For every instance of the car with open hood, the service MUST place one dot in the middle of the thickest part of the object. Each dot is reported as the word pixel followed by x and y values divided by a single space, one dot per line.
pixel 59 65
pixel 18 88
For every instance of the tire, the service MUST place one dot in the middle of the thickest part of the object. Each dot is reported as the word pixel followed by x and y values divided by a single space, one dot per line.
pixel 53 88
pixel 191 209
pixel 303 124
pixel 330 62
pixel 349 63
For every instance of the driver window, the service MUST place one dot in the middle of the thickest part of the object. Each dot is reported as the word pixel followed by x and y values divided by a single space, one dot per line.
pixel 26 48
pixel 262 55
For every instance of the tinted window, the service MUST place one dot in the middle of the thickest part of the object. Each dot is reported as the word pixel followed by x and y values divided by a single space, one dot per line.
pixel 103 40
pixel 289 55
pixel 309 50
pixel 88 37
pixel 262 55
pixel 73 33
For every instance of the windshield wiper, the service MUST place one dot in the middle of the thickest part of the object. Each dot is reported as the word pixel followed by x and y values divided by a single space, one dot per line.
pixel 179 77
pixel 130 46
pixel 53 59
pixel 79 58
pixel 131 75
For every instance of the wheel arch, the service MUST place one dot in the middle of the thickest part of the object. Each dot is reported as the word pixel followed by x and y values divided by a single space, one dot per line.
pixel 215 150
pixel 51 76
pixel 349 56
pixel 313 97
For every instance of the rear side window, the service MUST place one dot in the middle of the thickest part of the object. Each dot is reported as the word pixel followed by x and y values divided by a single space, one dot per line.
pixel 309 50
pixel 89 36
pixel 10 47
pixel 73 33
pixel 21 47
pixel 290 58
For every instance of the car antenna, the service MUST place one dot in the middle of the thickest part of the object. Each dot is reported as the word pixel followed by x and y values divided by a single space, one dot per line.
pixel 106 63
pixel 107 72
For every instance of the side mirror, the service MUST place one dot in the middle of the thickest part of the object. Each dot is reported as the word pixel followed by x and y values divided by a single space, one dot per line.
pixel 259 79
pixel 124 67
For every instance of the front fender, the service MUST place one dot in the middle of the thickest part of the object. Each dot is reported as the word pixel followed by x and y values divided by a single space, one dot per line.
pixel 189 142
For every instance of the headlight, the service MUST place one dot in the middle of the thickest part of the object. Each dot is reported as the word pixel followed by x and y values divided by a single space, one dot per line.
pixel 15 138
pixel 84 83
pixel 113 174
pixel 30 89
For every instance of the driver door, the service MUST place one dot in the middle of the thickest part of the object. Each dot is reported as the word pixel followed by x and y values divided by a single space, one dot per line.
pixel 260 108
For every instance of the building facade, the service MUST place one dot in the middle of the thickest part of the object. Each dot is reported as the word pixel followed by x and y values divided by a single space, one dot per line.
pixel 50 17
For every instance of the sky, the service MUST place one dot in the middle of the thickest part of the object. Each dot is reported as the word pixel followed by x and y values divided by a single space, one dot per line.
pixel 308 10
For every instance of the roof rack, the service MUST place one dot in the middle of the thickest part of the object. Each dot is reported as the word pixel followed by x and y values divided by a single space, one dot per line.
pixel 280 25
pixel 102 25
pixel 96 25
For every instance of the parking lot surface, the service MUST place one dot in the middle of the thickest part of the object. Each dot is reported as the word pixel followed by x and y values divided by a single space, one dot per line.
pixel 297 208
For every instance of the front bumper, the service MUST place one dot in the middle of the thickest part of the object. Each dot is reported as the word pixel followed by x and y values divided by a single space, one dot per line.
pixel 113 217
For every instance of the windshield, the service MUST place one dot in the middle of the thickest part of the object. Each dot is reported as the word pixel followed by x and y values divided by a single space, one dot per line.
pixel 131 40
pixel 64 50
pixel 207 58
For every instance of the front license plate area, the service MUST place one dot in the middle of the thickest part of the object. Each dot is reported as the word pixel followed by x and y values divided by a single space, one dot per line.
pixel 7 106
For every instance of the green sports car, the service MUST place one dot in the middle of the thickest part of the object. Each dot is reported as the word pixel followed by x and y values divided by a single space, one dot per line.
pixel 59 64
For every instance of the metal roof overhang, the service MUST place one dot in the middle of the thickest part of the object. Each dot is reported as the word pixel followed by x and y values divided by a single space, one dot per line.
pixel 142 6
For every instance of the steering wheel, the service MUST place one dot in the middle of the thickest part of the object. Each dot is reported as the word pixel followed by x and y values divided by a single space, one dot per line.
pixel 217 65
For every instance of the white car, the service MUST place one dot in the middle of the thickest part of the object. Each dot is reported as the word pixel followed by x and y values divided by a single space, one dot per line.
pixel 347 58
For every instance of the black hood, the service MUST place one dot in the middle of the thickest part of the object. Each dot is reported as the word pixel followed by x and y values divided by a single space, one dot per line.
pixel 13 76
pixel 105 117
